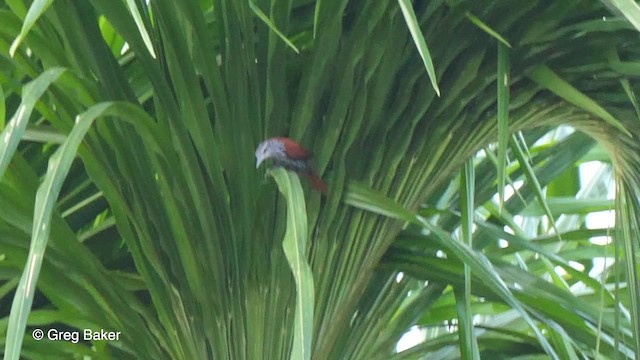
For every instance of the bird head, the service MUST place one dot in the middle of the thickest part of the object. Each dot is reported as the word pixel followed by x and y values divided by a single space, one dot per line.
pixel 268 149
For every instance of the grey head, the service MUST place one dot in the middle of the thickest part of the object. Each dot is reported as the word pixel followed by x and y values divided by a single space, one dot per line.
pixel 268 149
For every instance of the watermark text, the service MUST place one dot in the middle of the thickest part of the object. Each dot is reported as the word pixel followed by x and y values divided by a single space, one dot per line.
pixel 75 336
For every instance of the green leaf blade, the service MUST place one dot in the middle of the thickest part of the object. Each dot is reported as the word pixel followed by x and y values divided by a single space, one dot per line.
pixel 418 39
pixel 294 245
pixel 548 79
pixel 37 8
pixel 13 133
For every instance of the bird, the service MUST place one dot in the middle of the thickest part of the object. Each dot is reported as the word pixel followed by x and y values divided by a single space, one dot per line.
pixel 289 154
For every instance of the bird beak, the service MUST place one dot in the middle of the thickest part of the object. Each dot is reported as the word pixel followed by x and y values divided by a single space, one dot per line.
pixel 259 160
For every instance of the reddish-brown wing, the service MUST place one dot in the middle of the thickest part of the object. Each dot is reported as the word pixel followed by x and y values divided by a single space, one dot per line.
pixel 293 149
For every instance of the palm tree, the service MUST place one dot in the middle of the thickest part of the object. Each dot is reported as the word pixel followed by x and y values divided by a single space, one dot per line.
pixel 129 159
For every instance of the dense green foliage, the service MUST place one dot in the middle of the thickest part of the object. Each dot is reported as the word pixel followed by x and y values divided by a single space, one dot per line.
pixel 127 153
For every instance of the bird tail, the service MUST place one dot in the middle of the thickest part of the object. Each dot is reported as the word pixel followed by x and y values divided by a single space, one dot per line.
pixel 317 182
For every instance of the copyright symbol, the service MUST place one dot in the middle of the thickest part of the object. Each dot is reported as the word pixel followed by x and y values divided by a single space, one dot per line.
pixel 37 334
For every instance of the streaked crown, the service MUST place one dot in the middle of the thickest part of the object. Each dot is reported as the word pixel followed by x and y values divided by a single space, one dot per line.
pixel 268 149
